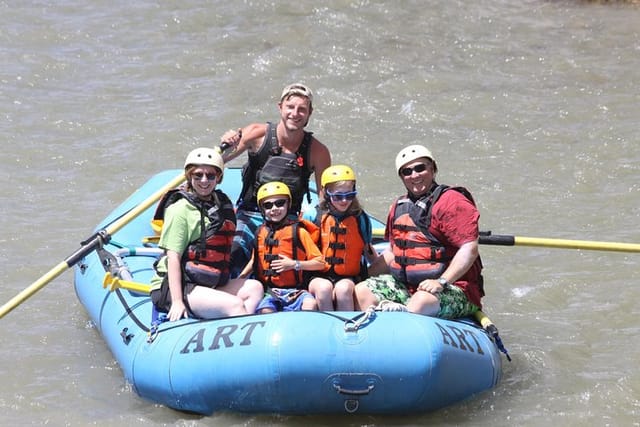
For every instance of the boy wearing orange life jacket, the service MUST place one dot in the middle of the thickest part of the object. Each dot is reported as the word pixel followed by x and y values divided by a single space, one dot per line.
pixel 345 238
pixel 284 250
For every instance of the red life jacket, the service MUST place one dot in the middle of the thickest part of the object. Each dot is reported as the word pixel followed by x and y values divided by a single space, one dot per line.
pixel 418 255
pixel 206 261
pixel 342 245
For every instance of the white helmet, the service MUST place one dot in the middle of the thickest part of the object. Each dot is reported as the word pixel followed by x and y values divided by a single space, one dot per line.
pixel 205 156
pixel 411 153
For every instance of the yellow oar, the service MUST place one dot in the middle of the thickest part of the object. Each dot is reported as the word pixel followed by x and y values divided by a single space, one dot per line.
pixel 378 232
pixel 150 239
pixel 94 242
pixel 486 238
pixel 114 283
pixel 505 240
pixel 483 319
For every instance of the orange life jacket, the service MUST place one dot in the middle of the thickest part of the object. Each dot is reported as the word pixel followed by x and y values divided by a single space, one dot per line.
pixel 284 240
pixel 342 245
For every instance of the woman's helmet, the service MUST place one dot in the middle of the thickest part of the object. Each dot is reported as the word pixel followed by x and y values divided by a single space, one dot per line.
pixel 274 188
pixel 411 153
pixel 205 156
pixel 337 173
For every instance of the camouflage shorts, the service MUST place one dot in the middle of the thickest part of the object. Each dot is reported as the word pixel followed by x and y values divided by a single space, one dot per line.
pixel 453 302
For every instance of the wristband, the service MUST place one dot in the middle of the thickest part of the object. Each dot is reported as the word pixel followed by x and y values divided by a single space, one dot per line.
pixel 445 283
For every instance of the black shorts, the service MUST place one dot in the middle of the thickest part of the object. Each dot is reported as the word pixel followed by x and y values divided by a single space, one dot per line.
pixel 333 278
pixel 161 298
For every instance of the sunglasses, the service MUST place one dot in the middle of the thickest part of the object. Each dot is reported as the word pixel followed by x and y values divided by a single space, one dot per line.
pixel 419 168
pixel 341 197
pixel 277 203
pixel 199 175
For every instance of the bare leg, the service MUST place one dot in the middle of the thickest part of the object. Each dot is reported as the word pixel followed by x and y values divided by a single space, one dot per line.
pixel 364 297
pixel 309 304
pixel 251 294
pixel 322 290
pixel 423 302
pixel 344 291
pixel 208 303
pixel 250 291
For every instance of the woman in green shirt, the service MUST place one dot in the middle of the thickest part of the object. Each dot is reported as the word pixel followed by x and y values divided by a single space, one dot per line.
pixel 199 223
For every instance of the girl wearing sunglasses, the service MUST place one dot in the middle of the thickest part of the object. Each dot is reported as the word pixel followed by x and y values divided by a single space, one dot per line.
pixel 284 250
pixel 345 241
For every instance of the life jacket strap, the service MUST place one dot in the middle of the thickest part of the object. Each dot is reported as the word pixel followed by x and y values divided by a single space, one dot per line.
pixel 337 245
pixel 338 230
pixel 334 260
pixel 271 257
pixel 409 244
pixel 405 260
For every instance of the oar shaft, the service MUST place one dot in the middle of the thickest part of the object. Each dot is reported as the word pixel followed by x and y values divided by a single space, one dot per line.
pixel 121 222
pixel 71 260
pixel 578 244
pixel 93 243
pixel 506 240
pixel 33 288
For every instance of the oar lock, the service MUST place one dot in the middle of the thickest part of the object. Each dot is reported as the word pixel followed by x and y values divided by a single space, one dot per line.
pixel 103 235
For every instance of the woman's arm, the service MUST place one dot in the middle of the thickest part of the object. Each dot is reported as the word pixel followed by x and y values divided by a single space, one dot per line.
pixel 174 271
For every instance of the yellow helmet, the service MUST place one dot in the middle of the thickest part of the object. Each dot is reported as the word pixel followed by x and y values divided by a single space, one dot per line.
pixel 274 188
pixel 205 156
pixel 337 173
pixel 411 153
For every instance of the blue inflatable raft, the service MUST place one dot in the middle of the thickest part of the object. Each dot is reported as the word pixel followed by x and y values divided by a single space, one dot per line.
pixel 287 363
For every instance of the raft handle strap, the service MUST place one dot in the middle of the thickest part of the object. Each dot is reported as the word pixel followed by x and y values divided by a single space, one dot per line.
pixel 492 330
pixel 352 325
pixel 362 392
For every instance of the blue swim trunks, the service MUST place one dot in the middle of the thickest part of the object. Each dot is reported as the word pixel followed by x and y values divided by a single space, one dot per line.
pixel 284 300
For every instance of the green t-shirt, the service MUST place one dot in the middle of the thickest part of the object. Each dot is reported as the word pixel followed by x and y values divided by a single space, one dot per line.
pixel 181 227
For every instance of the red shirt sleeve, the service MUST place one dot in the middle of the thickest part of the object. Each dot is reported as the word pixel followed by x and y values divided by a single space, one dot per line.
pixel 387 228
pixel 454 219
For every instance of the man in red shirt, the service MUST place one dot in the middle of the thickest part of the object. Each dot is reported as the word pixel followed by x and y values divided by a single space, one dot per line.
pixel 432 265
